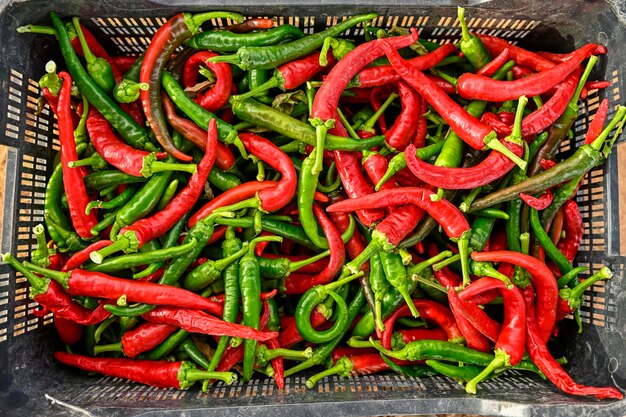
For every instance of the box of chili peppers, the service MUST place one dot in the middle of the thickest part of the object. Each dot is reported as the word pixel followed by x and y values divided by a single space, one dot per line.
pixel 349 209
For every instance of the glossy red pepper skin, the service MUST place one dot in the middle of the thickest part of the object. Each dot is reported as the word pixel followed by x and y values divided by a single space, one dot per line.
pixel 68 331
pixel 411 335
pixel 597 124
pixel 196 321
pixel 544 283
pixel 469 129
pixel 386 74
pixel 474 339
pixel 150 228
pixel 290 335
pixel 540 355
pixel 273 198
pixel 59 302
pixel 475 87
pixel 538 203
pixel 83 256
pixel 446 214
pixel 477 317
pixel 145 337
pixel 224 158
pixel 573 227
pixel 521 56
pixel 327 97
pixel 403 129
pixel 493 167
pixel 251 24
pixel 493 66
pixel 295 73
pixel 429 310
pixel 353 180
pixel 277 364
pixel 77 198
pixel 357 242
pixel 121 62
pixel 217 96
pixel 116 152
pixel 160 374
pixel 335 263
pixel 421 130
pixel 164 42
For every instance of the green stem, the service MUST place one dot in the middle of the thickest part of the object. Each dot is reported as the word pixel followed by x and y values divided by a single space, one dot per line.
pixel 112 347
pixel 267 85
pixel 446 262
pixel 39 285
pixel 465 34
pixel 368 126
pixel 498 362
pixel 193 375
pixel 571 275
pixel 89 56
pixel 577 292
pixel 347 125
pixel 41 256
pixel 44 30
pixel 343 367
pixel 294 266
pixel 583 78
pixel 121 244
pixel 416 269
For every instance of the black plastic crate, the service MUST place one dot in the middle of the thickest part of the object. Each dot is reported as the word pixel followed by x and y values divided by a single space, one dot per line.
pixel 27 370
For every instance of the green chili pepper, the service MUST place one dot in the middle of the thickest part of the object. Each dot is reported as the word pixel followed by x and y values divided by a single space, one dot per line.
pixel 226 41
pixel 268 57
pixel 128 91
pixel 471 46
pixel 98 69
pixel 273 325
pixel 397 277
pixel 459 373
pixel 208 272
pixel 102 179
pixel 121 199
pixel 412 371
pixel 551 250
pixel 250 284
pixel 380 286
pixel 223 180
pixel 194 353
pixel 167 346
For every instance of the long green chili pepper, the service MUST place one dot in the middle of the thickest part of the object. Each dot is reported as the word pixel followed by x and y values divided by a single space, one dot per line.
pixel 102 179
pixel 380 285
pixel 98 68
pixel 194 353
pixel 226 41
pixel 461 374
pixel 250 284
pixel 121 199
pixel 471 46
pixel 551 250
pixel 397 277
pixel 268 57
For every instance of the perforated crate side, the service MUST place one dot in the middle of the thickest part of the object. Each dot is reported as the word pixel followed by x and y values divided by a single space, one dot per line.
pixel 596 357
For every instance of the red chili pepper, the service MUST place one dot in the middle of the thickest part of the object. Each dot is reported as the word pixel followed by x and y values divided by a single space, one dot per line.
pixel 196 321
pixel 250 25
pixel 375 167
pixel 540 355
pixel 573 226
pixel 357 95
pixel 493 66
pixel 521 56
pixel 475 315
pixel 121 62
pixel 219 298
pixel 447 277
pixel 475 87
pixel 261 246
pixel 377 98
pixel 327 97
pixel 400 134
pixel 160 374
pixel 290 335
pixel 83 256
pixel 357 242
pixel 493 167
pixel 59 302
pixel 597 124
pixel 144 338
pixel 411 335
pixel 352 179
pixel 149 228
pixel 546 289
pixel 386 74
pixel 335 263
pixel 230 358
pixel 215 97
pixel 77 198
pixel 341 351
pixel 277 364
pixel 461 311
pixel 540 203
pixel 446 214
pixel 469 129
pixel 521 72
pixel 116 152
pixel 274 198
pixel 509 348
pixel 429 310
pixel 68 331
pixel 546 164
pixel 419 140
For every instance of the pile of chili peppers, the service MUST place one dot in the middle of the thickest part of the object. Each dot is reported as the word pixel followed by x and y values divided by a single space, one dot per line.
pixel 249 199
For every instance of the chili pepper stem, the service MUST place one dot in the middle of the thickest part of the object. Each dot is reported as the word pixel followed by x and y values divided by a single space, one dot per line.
pixel 347 125
pixel 85 162
pixel 294 266
pixel 430 283
pixel 343 367
pixel 122 243
pixel 80 133
pixel 112 347
pixel 194 22
pixel 486 270
pixel 368 126
pixel 43 30
pixel 321 130
pixel 266 355
pixel 463 245
pixel 501 359
pixel 267 85
pixel 193 375
pixel 465 34
pixel 492 142
pixel 151 165
pixel 452 259
pixel 573 295
pixel 357 342
pixel 571 275
pixel 583 79
pixel 38 285
pixel 89 56
pixel 41 256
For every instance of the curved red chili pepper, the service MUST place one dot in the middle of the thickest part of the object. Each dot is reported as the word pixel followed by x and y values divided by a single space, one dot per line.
pixel 474 315
pixel 276 197
pixel 491 168
pixel 357 95
pixel 540 203
pixel 521 72
pixel 277 364
pixel 469 129
pixel 386 74
pixel 429 310
pixel 196 321
pixel 544 283
pixel 461 311
pixel 224 158
pixel 122 62
pixel 335 263
pixel 59 302
pixel 597 124
pixel 447 277
pixel 215 97
pixel 495 64
pixel 145 337
pixel 476 87
pixel 295 73
pixel 77 198
pixel 521 56
pixel 68 331
pixel 400 134
pixel 375 166
pixel 573 226
pixel 327 97
pixel 357 242
pixel 116 152
pixel 353 180
pixel 421 130
pixel 540 355
pixel 290 335
pixel 83 256
pixel 150 228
